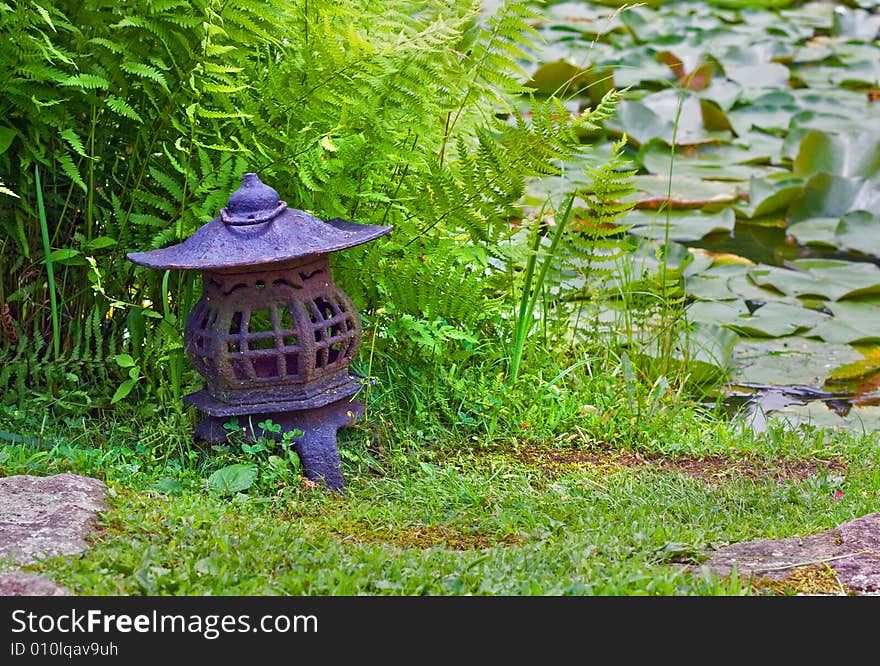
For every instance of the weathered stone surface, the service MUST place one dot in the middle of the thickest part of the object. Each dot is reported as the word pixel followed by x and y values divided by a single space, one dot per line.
pixel 21 584
pixel 44 516
pixel 852 550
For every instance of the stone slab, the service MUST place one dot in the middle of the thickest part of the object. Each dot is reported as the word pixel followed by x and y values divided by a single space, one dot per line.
pixel 45 516
pixel 851 549
pixel 22 584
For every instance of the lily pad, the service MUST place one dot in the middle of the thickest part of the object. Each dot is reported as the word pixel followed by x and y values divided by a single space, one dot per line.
pixel 818 231
pixel 756 77
pixel 680 225
pixel 855 23
pixel 767 197
pixel 828 195
pixel 789 361
pixel 686 192
pixel 857 233
pixel 828 279
pixel 702 350
pixel 841 154
pixel 710 161
pixel 852 322
pixel 776 319
pixel 818 415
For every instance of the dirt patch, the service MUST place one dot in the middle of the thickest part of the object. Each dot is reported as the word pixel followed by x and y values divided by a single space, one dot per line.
pixel 711 468
pixel 448 537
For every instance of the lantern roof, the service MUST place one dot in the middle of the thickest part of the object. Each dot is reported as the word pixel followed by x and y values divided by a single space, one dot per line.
pixel 257 228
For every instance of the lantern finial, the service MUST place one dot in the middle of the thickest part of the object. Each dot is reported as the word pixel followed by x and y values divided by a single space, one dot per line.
pixel 252 203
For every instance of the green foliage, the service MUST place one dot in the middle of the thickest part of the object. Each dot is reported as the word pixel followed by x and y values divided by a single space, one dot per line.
pixel 264 458
pixel 145 116
pixel 130 114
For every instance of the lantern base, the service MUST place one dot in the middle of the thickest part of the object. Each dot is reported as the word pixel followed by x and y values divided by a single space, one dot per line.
pixel 316 447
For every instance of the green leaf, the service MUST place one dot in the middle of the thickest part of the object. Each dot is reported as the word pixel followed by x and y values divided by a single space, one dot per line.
pixel 124 360
pixel 232 479
pixel 123 390
pixel 776 319
pixel 714 117
pixel 7 134
pixel 63 256
pixel 828 195
pixel 680 225
pixel 99 243
pixel 790 360
pixel 767 197
pixel 87 82
pixel 168 485
pixel 70 170
pixel 857 233
pixel 121 107
pixel 145 72
pixel 764 75
pixel 75 142
pixel 702 350
pixel 817 231
pixel 840 154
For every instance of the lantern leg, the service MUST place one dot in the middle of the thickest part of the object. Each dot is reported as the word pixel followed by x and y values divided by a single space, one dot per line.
pixel 317 446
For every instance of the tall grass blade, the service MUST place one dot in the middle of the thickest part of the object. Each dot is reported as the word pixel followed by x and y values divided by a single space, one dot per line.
pixel 50 269
pixel 533 287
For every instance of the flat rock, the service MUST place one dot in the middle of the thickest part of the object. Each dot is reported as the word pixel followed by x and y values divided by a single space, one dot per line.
pixel 45 516
pixel 21 584
pixel 851 549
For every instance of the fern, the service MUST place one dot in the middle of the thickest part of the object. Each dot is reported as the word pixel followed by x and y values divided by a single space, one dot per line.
pixel 593 247
pixel 395 112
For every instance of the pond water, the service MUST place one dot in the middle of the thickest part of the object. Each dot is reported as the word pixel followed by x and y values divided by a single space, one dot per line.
pixel 757 135
pixel 816 391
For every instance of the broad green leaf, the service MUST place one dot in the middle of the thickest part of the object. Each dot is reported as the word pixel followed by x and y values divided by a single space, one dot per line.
pixel 232 479
pixel 706 161
pixel 63 256
pixel 686 192
pixel 828 195
pixel 858 232
pixel 7 134
pixel 767 197
pixel 723 92
pixel 701 350
pixel 764 75
pixel 790 360
pixel 841 154
pixel 819 231
pixel 641 124
pixel 721 313
pixel 99 243
pixel 856 24
pixel 829 279
pixel 852 322
pixel 680 225
pixel 745 118
pixel 123 390
pixel 714 117
pixel 124 360
pixel 776 319
pixel 168 485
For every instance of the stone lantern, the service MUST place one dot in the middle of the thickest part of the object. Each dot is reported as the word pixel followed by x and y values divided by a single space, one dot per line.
pixel 272 334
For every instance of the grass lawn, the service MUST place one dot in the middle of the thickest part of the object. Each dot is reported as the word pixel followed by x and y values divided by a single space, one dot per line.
pixel 583 501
